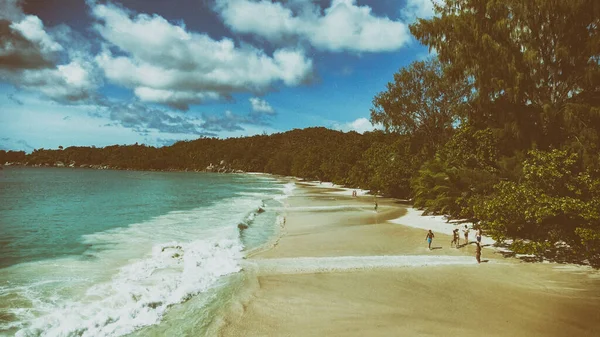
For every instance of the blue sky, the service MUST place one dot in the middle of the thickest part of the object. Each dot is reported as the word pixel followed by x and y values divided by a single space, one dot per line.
pixel 154 72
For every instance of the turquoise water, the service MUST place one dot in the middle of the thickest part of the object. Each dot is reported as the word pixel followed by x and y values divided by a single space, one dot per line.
pixel 115 251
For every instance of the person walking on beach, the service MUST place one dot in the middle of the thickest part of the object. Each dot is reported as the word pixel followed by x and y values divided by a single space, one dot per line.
pixel 478 234
pixel 478 253
pixel 466 233
pixel 455 238
pixel 429 238
pixel 375 206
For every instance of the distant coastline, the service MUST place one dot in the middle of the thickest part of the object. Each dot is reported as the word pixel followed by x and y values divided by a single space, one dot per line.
pixel 212 169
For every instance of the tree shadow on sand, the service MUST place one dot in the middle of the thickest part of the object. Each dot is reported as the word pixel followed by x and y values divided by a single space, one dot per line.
pixel 469 243
pixel 556 255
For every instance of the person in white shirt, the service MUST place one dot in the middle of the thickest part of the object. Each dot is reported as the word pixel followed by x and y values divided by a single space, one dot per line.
pixel 466 233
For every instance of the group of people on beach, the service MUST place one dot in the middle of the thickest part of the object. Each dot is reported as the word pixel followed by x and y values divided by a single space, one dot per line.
pixel 456 239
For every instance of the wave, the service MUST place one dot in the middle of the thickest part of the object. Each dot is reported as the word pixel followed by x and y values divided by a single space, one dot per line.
pixel 266 192
pixel 329 208
pixel 124 287
pixel 288 189
pixel 302 265
pixel 141 292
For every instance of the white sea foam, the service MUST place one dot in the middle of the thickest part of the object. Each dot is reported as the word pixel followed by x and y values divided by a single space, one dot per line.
pixel 339 189
pixel 329 208
pixel 288 189
pixel 266 192
pixel 303 265
pixel 257 195
pixel 333 208
pixel 268 188
pixel 133 274
pixel 141 292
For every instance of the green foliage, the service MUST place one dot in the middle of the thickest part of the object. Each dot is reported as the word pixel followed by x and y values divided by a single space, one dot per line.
pixel 12 157
pixel 554 201
pixel 534 67
pixel 535 51
pixel 551 172
pixel 463 171
pixel 534 248
pixel 590 243
pixel 471 148
pixel 383 167
pixel 421 103
pixel 432 188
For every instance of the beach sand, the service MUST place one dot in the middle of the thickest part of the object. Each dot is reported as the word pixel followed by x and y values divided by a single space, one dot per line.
pixel 341 269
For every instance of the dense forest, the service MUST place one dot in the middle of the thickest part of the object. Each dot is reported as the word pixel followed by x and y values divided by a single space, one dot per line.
pixel 500 126
pixel 316 153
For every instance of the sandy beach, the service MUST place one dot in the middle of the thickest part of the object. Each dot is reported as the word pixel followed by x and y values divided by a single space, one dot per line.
pixel 338 268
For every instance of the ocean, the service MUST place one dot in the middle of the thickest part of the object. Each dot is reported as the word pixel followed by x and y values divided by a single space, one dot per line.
pixel 112 253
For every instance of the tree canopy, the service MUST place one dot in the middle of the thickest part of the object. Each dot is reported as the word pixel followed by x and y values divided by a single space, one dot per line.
pixel 524 159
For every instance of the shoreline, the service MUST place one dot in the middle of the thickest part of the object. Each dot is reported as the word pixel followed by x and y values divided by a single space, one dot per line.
pixel 339 268
pixel 101 167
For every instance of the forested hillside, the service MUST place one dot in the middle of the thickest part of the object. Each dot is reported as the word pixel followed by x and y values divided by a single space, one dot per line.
pixel 501 126
pixel 369 161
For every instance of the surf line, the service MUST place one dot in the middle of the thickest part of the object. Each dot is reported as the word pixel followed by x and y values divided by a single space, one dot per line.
pixel 308 265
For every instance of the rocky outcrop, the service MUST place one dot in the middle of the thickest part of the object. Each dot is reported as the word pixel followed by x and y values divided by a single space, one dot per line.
pixel 223 167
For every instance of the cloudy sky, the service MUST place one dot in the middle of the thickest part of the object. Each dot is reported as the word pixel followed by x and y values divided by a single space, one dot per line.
pixel 77 72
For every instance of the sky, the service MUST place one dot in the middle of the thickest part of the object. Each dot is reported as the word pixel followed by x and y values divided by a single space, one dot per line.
pixel 83 73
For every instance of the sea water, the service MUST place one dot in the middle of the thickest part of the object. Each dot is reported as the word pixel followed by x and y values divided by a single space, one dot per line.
pixel 110 253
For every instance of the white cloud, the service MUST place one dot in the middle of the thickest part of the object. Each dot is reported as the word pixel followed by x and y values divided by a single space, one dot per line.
pixel 177 99
pixel 68 82
pixel 166 63
pixel 261 106
pixel 229 121
pixel 360 125
pixel 225 122
pixel 32 28
pixel 145 119
pixel 33 57
pixel 418 9
pixel 343 26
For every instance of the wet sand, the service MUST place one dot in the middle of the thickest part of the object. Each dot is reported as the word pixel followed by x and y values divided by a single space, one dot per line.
pixel 340 269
